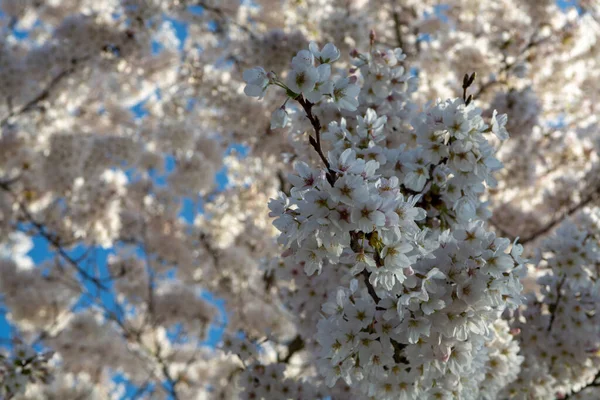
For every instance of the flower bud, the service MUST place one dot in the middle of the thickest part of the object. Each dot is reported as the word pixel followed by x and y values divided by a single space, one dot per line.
pixel 279 118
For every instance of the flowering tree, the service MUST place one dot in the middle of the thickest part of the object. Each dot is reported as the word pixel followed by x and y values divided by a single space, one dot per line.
pixel 409 212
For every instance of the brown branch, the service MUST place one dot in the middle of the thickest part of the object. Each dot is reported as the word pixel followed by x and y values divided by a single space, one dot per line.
pixel 141 390
pixel 149 318
pixel 501 230
pixel 52 239
pixel 43 95
pixel 570 212
pixel 366 274
pixel 315 142
pixel 483 88
pixel 397 31
pixel 552 224
pixel 282 183
pixel 554 307
pixel 293 347
pixel 221 13
pixel 6 184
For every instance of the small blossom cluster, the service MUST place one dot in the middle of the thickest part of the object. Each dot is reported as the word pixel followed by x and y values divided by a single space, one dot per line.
pixel 386 82
pixel 22 367
pixel 431 328
pixel 455 159
pixel 309 79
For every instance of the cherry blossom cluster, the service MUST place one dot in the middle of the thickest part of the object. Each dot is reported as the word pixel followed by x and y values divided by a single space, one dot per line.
pixel 434 278
pixel 559 325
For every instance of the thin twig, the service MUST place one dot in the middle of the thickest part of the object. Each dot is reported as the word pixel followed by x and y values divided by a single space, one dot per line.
pixel 552 224
pixel 293 347
pixel 31 104
pixel 315 142
pixel 593 383
pixel 397 31
pixel 221 13
pixel 52 239
pixel 554 306
pixel 570 212
pixel 370 287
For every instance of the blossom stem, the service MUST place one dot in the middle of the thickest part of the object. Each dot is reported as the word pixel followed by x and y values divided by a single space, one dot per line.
pixel 43 95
